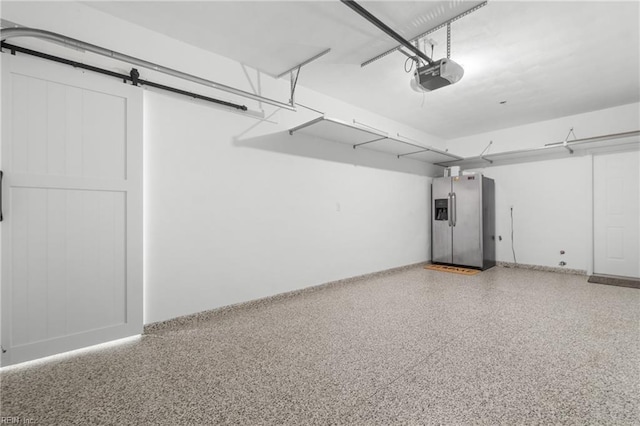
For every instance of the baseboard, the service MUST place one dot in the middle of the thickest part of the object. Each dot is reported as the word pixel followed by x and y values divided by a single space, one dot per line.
pixel 193 319
pixel 542 268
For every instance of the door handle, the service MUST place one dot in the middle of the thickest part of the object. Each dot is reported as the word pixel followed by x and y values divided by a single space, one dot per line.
pixel 449 211
pixel 1 175
pixel 454 208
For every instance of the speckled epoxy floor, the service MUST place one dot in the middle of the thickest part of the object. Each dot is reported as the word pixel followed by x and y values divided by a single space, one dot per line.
pixel 506 346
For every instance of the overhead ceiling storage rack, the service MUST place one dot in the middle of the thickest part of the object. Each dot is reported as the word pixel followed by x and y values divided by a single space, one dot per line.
pixel 335 130
pixel 604 143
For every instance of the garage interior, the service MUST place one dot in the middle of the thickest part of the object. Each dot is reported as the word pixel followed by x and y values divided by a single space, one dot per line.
pixel 220 212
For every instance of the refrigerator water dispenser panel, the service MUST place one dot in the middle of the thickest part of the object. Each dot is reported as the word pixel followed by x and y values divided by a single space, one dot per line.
pixel 442 209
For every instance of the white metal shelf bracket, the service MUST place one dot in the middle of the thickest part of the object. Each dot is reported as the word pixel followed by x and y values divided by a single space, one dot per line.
pixel 364 143
pixel 307 124
pixel 565 143
pixel 567 139
pixel 303 63
pixel 424 148
pixel 414 152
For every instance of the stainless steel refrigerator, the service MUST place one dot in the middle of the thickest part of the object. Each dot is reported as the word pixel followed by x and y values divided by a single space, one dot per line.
pixel 463 221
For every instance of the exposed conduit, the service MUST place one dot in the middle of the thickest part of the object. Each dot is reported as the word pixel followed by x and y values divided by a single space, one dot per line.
pixel 71 43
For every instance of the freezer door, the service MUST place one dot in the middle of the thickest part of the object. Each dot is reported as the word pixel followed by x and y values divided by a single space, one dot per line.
pixel 488 223
pixel 441 220
pixel 467 220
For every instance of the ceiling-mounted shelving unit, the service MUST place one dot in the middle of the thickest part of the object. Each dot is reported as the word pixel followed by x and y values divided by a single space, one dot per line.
pixel 335 130
pixel 596 144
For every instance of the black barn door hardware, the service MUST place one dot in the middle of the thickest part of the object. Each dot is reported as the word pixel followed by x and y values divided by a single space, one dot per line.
pixel 1 176
pixel 133 77
pixel 71 43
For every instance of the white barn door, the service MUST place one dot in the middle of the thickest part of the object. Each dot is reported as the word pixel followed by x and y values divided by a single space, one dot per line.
pixel 616 214
pixel 72 206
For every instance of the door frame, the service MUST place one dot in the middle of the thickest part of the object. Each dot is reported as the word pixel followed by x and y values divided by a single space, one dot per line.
pixel 616 150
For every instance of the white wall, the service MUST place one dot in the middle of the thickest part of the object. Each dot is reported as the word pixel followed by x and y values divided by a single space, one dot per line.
pixel 551 212
pixel 228 222
pixel 552 200
pixel 235 207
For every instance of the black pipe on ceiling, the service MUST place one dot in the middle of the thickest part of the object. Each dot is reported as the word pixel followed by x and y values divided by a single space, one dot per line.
pixel 381 25
pixel 133 77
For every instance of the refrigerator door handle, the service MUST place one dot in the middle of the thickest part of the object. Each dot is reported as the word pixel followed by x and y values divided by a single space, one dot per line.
pixel 449 211
pixel 454 208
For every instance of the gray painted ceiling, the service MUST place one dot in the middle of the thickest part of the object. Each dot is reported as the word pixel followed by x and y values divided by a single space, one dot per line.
pixel 546 59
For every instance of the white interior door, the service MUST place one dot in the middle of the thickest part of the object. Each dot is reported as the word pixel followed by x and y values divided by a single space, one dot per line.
pixel 72 204
pixel 616 201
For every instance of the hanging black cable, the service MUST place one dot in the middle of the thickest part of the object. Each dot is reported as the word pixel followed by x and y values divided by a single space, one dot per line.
pixel 133 77
pixel 413 59
pixel 513 250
